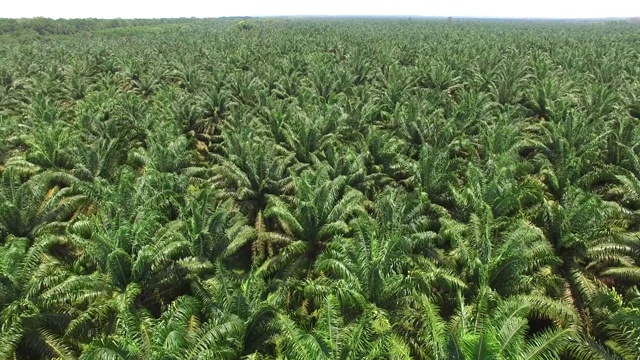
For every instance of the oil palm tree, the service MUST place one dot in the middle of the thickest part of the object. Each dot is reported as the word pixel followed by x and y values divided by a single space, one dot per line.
pixel 32 327
pixel 41 205
pixel 181 332
pixel 509 257
pixel 249 172
pixel 318 212
pixel 400 253
pixel 492 327
pixel 368 337
pixel 594 247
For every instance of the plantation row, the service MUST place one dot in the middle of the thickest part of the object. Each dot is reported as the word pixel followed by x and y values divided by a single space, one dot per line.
pixel 321 189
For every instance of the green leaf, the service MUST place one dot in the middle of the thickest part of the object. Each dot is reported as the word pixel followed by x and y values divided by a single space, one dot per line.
pixel 119 267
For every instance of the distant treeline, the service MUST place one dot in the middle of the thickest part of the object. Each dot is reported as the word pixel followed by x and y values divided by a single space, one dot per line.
pixel 46 26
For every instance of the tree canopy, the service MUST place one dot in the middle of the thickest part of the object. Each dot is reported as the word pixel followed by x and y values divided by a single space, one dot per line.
pixel 319 189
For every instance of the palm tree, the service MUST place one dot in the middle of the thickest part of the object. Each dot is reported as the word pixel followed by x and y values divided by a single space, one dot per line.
pixel 401 253
pixel 50 149
pixel 179 333
pixel 593 245
pixel 617 319
pixel 129 248
pixel 346 162
pixel 41 205
pixel 383 158
pixel 510 258
pixel 100 159
pixel 14 90
pixel 321 79
pixel 622 144
pixel 32 327
pixel 216 229
pixel 437 74
pixel 509 74
pixel 368 337
pixel 249 172
pixel 318 212
pixel 154 256
pixel 433 174
pixel 492 328
pixel 569 154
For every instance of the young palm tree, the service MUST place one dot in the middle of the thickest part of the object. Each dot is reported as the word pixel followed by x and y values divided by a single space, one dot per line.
pixel 249 172
pixel 180 333
pixel 32 326
pixel 509 258
pixel 593 245
pixel 318 212
pixel 41 205
pixel 368 337
pixel 401 253
pixel 215 229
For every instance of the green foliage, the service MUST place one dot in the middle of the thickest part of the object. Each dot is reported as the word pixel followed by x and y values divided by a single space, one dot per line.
pixel 319 189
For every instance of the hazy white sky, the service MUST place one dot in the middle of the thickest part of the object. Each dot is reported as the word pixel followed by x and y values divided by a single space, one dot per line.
pixel 215 8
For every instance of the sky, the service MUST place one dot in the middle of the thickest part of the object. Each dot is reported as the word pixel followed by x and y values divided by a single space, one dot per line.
pixel 216 8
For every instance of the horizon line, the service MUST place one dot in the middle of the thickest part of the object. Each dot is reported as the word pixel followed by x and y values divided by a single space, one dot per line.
pixel 470 17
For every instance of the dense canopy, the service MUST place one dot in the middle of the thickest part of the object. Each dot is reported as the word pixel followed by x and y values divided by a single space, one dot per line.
pixel 320 189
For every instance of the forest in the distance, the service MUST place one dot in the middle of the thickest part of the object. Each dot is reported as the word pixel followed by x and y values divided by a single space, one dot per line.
pixel 308 189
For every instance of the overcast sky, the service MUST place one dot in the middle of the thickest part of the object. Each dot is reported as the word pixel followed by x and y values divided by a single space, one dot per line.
pixel 215 8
